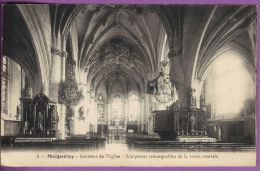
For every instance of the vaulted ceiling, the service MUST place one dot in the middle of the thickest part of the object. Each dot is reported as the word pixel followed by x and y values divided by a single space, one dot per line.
pixel 117 39
pixel 128 41
pixel 17 42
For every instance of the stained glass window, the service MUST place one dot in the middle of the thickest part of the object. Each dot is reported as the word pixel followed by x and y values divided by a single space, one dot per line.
pixel 117 111
pixel 134 108
pixel 101 109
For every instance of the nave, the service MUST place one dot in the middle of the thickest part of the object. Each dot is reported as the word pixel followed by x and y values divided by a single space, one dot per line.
pixel 137 76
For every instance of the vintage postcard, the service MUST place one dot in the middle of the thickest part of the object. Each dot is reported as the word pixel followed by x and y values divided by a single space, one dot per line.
pixel 158 85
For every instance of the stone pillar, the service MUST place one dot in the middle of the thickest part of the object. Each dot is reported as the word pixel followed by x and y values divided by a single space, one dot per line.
pixel 93 114
pixel 62 131
pixel 73 120
pixel 108 112
pixel 139 118
pixel 219 132
pixel 177 76
pixel 142 122
pixel 57 75
pixel 88 102
pixel 147 112
pixel 125 112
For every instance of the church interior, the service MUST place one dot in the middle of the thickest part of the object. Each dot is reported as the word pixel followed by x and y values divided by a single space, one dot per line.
pixel 149 76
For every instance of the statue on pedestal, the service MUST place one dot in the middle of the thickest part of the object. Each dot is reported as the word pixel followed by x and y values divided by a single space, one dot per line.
pixel 30 92
pixel 53 120
pixel 191 98
pixel 18 112
pixel 192 124
pixel 81 113
pixel 40 102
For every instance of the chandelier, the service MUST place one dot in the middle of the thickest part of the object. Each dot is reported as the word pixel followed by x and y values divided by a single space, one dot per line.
pixel 70 92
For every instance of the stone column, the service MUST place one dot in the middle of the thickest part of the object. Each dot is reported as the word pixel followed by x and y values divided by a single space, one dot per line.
pixel 73 120
pixel 57 75
pixel 108 113
pixel 93 114
pixel 142 121
pixel 125 112
pixel 149 113
pixel 219 132
pixel 139 117
pixel 177 75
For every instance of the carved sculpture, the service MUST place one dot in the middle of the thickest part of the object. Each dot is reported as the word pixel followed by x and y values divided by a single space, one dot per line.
pixel 30 92
pixel 18 113
pixel 81 113
pixel 192 98
pixel 192 124
pixel 40 101
pixel 165 92
pixel 53 119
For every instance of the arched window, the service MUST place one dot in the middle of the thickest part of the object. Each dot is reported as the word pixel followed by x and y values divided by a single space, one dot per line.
pixel 229 87
pixel 117 111
pixel 134 108
pixel 101 109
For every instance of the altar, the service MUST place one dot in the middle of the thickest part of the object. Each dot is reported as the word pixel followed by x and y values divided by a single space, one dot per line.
pixel 34 123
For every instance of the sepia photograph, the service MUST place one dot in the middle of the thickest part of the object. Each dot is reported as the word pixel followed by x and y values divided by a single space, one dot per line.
pixel 158 85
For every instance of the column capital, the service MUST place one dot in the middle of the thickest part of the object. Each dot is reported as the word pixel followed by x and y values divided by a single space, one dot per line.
pixel 58 52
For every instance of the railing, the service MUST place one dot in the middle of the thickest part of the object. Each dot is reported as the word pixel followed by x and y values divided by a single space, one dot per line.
pixel 226 118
